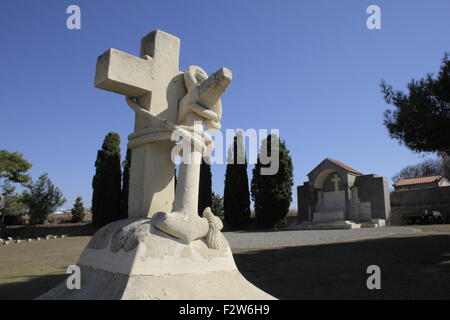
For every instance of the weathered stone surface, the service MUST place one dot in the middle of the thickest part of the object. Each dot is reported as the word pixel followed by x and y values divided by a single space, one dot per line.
pixel 130 259
pixel 123 73
pixel 183 221
pixel 329 216
pixel 155 80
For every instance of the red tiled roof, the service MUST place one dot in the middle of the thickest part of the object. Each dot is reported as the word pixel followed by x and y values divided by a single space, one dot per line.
pixel 344 166
pixel 411 181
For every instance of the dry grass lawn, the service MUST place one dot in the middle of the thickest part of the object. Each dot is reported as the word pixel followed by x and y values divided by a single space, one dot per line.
pixel 412 267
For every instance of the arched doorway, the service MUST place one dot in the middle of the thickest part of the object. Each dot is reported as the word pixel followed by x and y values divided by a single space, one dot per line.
pixel 331 203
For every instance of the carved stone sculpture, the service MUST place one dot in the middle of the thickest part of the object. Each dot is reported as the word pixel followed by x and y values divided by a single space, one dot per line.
pixel 164 250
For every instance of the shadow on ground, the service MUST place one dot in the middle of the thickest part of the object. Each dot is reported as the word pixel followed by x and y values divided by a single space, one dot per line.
pixel 411 268
pixel 414 267
pixel 33 287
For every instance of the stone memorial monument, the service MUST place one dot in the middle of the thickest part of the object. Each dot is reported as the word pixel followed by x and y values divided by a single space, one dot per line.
pixel 337 196
pixel 164 250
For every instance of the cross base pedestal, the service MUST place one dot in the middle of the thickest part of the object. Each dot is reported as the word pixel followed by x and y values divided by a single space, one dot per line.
pixel 130 259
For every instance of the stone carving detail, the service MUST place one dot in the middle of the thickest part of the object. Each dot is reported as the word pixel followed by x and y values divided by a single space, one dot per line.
pixel 152 254
pixel 201 105
pixel 122 234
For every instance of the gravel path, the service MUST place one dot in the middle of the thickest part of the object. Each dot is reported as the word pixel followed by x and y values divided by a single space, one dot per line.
pixel 270 239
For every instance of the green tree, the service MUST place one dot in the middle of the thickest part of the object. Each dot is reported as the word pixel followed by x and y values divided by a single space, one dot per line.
pixel 217 204
pixel 272 194
pixel 236 196
pixel 13 167
pixel 106 184
pixel 13 206
pixel 42 198
pixel 204 187
pixel 421 118
pixel 13 202
pixel 125 185
pixel 78 210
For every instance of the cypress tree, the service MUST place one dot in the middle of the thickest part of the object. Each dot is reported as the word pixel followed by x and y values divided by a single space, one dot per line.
pixel 125 185
pixel 204 187
pixel 217 204
pixel 77 210
pixel 106 184
pixel 272 194
pixel 236 194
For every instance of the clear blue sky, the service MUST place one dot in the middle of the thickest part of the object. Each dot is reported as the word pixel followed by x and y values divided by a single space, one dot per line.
pixel 309 68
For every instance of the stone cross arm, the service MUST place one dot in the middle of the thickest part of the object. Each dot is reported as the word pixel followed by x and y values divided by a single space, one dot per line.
pixel 153 77
pixel 123 73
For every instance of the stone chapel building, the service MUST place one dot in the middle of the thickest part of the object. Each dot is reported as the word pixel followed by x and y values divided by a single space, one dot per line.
pixel 338 196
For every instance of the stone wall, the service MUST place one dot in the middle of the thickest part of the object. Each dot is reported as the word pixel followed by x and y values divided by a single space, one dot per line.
pixel 374 189
pixel 305 201
pixel 413 202
pixel 73 230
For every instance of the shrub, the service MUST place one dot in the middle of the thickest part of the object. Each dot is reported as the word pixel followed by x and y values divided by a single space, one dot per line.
pixel 77 210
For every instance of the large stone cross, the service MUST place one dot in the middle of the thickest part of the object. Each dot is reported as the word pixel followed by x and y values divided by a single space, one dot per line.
pixel 336 179
pixel 155 80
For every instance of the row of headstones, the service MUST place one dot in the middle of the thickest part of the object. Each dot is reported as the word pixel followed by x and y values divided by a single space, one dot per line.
pixel 12 240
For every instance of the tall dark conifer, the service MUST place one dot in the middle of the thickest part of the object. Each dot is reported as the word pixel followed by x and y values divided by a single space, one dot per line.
pixel 204 188
pixel 272 193
pixel 236 193
pixel 78 210
pixel 125 185
pixel 106 184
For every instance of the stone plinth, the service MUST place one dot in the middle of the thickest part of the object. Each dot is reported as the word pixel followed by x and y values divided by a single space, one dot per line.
pixel 328 216
pixel 333 225
pixel 374 223
pixel 130 259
